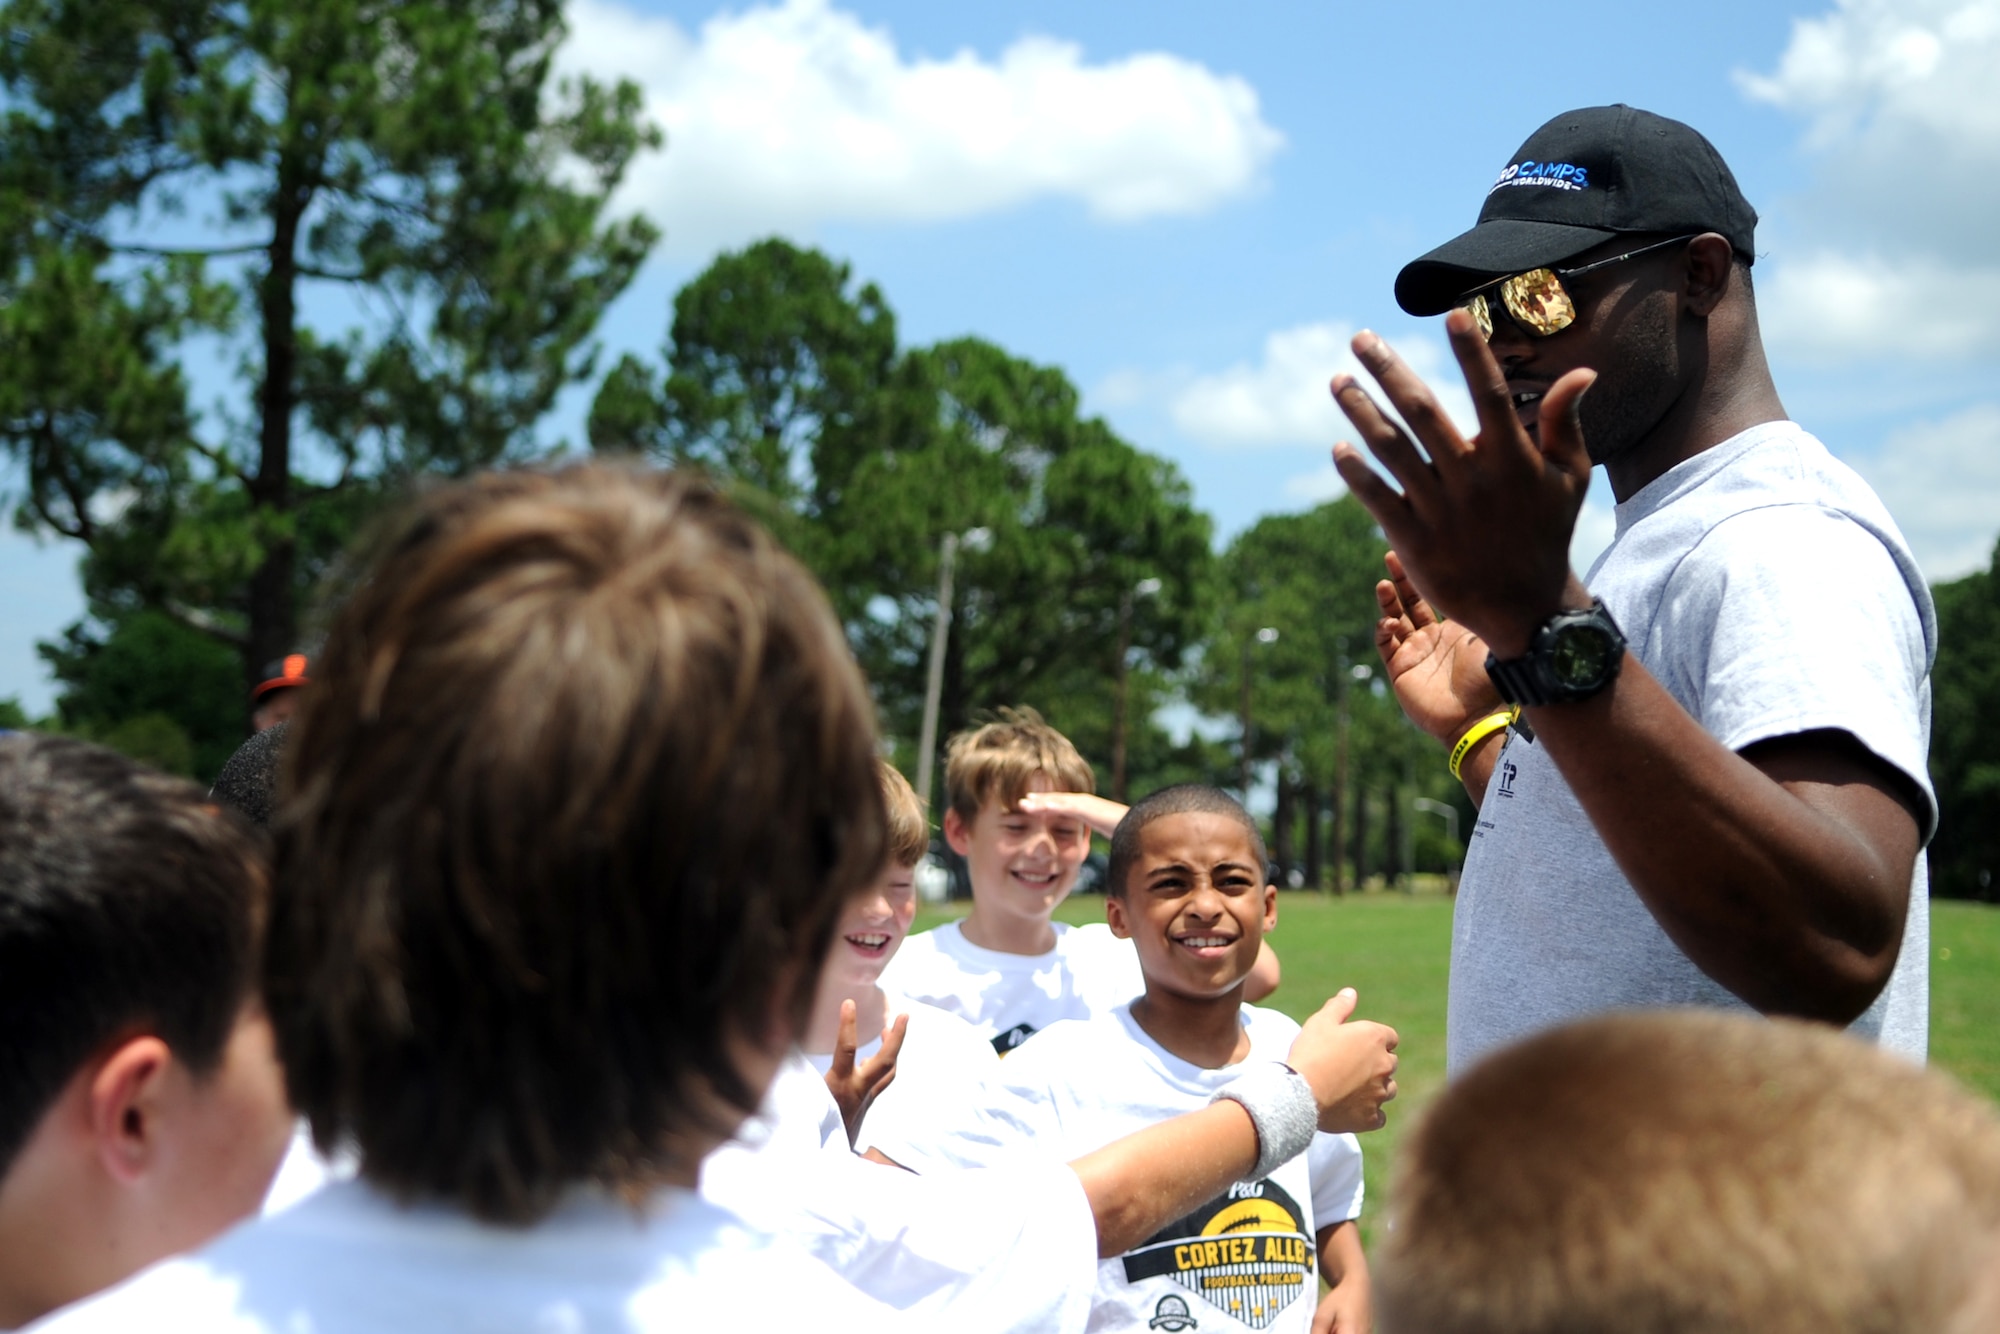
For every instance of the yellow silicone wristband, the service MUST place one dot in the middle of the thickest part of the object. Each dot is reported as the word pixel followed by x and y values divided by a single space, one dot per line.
pixel 1478 732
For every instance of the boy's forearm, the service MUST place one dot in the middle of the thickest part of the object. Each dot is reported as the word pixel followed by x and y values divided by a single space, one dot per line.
pixel 1132 1195
pixel 1348 1308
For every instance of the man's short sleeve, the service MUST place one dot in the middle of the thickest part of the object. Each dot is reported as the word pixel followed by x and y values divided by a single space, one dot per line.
pixel 1795 618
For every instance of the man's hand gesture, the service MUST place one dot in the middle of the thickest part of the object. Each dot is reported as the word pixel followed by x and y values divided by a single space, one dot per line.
pixel 1483 525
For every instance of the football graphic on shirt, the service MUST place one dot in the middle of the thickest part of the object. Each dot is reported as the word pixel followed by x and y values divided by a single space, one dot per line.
pixel 1248 1254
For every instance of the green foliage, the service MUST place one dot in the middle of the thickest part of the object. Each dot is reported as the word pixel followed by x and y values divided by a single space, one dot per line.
pixel 1311 578
pixel 184 168
pixel 787 385
pixel 13 717
pixel 1965 736
pixel 154 689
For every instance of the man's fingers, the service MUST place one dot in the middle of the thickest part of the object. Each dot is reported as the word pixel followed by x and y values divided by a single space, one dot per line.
pixel 1562 424
pixel 1415 607
pixel 1499 428
pixel 1385 440
pixel 1388 508
pixel 1412 398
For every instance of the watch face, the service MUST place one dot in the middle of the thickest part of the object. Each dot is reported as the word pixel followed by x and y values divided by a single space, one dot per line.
pixel 1580 656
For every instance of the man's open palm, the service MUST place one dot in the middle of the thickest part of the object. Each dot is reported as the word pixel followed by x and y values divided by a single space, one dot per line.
pixel 1437 668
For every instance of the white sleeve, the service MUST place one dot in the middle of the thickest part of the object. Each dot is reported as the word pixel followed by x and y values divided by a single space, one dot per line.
pixel 1335 1164
pixel 1008 1117
pixel 941 1085
pixel 1795 618
pixel 975 1251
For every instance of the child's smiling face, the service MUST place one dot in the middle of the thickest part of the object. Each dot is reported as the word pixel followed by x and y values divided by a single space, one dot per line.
pixel 1195 904
pixel 875 924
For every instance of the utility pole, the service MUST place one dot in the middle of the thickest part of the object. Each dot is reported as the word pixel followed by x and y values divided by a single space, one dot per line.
pixel 976 539
pixel 1341 680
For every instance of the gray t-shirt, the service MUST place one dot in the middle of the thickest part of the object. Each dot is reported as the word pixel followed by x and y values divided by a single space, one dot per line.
pixel 1769 591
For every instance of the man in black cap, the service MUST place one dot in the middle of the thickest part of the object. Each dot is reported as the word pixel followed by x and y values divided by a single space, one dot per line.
pixel 1700 769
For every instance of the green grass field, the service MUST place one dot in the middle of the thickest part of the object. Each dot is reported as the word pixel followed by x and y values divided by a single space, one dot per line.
pixel 1393 949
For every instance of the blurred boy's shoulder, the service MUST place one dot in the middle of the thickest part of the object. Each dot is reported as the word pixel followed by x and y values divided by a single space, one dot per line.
pixel 676 1260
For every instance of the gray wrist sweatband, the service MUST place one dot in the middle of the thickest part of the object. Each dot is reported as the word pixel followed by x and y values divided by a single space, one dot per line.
pixel 1281 1106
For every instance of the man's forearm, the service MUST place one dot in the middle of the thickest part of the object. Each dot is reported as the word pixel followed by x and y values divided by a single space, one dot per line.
pixel 1791 894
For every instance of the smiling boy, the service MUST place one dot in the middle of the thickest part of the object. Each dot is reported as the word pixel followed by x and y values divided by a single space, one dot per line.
pixel 1006 968
pixel 1188 889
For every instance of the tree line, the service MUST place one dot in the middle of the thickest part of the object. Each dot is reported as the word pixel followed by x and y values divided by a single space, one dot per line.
pixel 377 239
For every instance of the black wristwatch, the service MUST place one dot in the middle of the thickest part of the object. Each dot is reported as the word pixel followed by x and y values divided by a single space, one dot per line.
pixel 1573 655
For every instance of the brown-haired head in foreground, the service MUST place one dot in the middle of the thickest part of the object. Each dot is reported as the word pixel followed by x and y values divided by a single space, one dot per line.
pixel 128 904
pixel 1000 758
pixel 1684 1171
pixel 909 830
pixel 586 780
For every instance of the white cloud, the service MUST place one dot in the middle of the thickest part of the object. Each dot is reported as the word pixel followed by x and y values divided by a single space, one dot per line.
pixel 1901 112
pixel 1283 398
pixel 1941 480
pixel 1830 306
pixel 785 116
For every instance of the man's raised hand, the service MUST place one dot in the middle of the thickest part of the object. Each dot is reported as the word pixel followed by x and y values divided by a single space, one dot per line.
pixel 1436 667
pixel 1351 1066
pixel 1483 525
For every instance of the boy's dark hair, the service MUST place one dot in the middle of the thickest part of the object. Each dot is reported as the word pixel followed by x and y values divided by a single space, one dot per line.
pixel 1180 799
pixel 128 905
pixel 248 783
pixel 1668 1172
pixel 585 782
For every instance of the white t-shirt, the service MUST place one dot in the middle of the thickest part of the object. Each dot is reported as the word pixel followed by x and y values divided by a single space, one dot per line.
pixel 304 1170
pixel 1008 997
pixel 940 1080
pixel 1769 591
pixel 1246 1260
pixel 351 1261
pixel 960 1250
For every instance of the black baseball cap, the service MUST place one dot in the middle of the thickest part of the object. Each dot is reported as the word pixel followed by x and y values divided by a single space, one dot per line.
pixel 1582 179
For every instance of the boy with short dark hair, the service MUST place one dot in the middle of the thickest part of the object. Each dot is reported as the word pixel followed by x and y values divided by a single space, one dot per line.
pixel 141 1109
pixel 1187 888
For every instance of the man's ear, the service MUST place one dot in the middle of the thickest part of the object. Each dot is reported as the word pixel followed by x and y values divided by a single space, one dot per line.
pixel 1114 917
pixel 957 834
pixel 1707 273
pixel 126 1097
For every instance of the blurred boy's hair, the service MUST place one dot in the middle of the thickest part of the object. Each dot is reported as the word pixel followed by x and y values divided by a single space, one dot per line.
pixel 998 759
pixel 909 828
pixel 128 904
pixel 1180 799
pixel 1690 1171
pixel 585 781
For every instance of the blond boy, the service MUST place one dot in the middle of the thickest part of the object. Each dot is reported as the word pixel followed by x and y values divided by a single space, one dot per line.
pixel 1006 968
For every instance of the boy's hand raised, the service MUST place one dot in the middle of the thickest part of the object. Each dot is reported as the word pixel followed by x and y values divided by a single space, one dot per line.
pixel 1350 1066
pixel 856 1086
pixel 1101 813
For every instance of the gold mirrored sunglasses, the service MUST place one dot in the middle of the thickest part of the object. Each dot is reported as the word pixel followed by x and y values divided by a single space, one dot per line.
pixel 1537 301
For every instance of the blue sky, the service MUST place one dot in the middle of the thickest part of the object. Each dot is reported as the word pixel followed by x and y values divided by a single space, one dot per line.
pixel 1189 208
